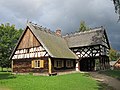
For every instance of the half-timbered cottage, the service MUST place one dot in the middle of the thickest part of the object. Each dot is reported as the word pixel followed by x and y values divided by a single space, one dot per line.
pixel 92 48
pixel 41 51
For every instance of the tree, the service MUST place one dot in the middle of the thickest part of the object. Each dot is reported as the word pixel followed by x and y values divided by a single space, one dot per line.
pixel 83 27
pixel 8 38
pixel 113 55
pixel 117 7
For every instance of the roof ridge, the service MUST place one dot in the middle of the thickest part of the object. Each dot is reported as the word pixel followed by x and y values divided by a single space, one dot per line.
pixel 44 29
pixel 91 30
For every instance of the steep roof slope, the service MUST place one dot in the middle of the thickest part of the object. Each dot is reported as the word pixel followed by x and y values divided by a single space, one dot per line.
pixel 87 38
pixel 55 45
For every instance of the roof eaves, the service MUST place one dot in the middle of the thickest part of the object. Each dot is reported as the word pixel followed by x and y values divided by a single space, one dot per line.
pixel 17 43
pixel 107 38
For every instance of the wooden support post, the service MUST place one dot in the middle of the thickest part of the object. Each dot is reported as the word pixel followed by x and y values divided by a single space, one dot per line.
pixel 100 63
pixel 77 65
pixel 108 63
pixel 104 63
pixel 50 65
pixel 90 65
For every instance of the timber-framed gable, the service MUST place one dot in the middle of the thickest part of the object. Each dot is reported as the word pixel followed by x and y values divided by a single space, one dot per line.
pixel 92 48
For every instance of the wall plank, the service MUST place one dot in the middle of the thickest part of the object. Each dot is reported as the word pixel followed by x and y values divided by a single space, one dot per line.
pixel 28 40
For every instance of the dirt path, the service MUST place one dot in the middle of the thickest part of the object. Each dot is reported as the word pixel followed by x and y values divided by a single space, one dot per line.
pixel 106 79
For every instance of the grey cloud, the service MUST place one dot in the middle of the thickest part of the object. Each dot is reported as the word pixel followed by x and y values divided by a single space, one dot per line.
pixel 65 14
pixel 24 8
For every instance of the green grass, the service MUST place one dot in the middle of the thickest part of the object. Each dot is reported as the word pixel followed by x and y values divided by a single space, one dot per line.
pixel 112 73
pixel 74 81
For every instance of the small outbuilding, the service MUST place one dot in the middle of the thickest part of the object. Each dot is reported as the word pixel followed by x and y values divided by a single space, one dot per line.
pixel 112 64
pixel 117 64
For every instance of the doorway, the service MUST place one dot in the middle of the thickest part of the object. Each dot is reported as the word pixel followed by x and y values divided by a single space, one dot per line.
pixel 87 64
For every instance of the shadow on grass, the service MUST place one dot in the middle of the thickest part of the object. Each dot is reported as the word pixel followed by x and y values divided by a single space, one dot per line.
pixel 104 86
pixel 112 73
pixel 6 75
pixel 86 74
pixel 101 85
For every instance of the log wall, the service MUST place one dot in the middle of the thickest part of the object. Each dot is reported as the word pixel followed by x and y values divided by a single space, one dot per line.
pixel 25 66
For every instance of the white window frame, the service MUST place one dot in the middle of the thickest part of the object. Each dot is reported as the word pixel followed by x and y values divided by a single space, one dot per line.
pixel 69 63
pixel 58 63
pixel 37 64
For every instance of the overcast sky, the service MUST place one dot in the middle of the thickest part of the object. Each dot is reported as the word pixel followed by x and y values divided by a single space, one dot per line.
pixel 64 14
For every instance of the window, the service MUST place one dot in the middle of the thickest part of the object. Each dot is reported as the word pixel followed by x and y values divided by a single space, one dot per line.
pixel 69 63
pixel 58 63
pixel 37 63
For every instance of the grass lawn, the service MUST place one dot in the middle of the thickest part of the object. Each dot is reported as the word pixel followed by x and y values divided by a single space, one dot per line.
pixel 112 73
pixel 75 81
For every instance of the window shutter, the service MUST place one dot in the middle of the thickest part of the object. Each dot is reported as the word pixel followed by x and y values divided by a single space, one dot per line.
pixel 62 63
pixel 32 63
pixel 55 63
pixel 41 63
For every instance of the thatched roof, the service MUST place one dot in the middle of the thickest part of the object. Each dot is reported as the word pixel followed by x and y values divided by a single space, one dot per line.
pixel 58 46
pixel 87 38
pixel 55 45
